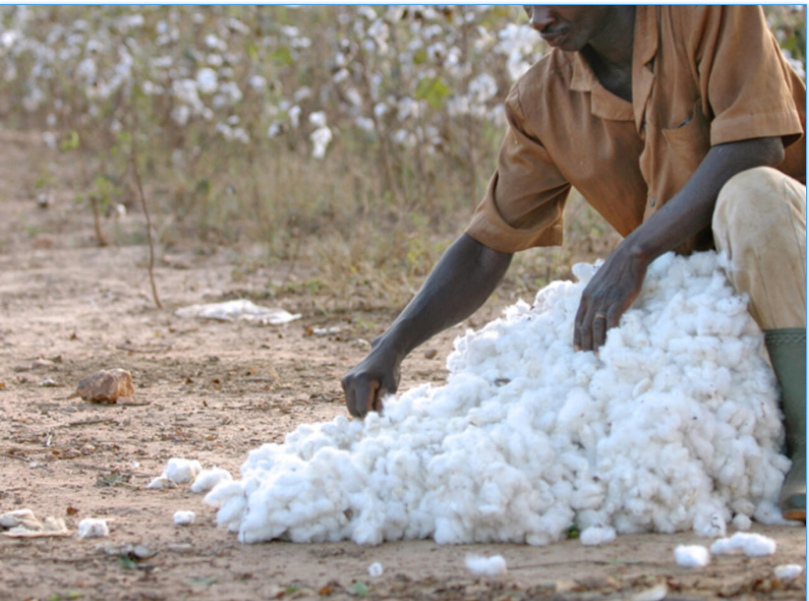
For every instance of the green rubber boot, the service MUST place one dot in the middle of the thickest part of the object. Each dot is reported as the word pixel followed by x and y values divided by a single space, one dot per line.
pixel 787 350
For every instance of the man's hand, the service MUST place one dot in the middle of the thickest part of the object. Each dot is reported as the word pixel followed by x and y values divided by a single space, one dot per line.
pixel 365 385
pixel 613 289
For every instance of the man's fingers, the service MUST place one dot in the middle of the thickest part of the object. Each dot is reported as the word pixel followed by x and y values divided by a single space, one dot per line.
pixel 578 325
pixel 365 394
pixel 599 330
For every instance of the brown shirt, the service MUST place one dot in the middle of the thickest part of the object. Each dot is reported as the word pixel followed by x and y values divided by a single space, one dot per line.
pixel 701 76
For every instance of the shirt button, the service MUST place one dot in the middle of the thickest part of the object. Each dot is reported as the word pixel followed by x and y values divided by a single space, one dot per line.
pixel 652 202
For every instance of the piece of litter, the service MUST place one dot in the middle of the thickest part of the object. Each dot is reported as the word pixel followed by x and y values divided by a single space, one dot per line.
pixel 17 517
pixel 375 570
pixel 742 523
pixel 752 545
pixel 788 571
pixel 93 528
pixel 692 556
pixel 184 518
pixel 126 550
pixel 160 482
pixel 486 566
pixel 240 309
pixel 181 470
pixel 207 479
pixel 26 525
pixel 595 535
pixel 656 593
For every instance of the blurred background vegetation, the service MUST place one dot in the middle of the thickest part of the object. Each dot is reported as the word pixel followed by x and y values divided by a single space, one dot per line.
pixel 358 139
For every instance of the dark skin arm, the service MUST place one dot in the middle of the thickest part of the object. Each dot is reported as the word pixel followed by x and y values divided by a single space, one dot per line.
pixel 459 284
pixel 618 282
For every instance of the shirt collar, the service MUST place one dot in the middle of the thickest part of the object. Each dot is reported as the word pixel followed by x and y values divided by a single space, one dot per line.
pixel 605 104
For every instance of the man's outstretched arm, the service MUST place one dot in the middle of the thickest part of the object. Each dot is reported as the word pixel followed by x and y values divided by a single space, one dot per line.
pixel 459 284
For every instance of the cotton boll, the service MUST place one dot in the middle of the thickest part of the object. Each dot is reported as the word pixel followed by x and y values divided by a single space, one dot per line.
pixel 486 566
pixel 788 571
pixel 752 545
pixel 711 524
pixel 741 522
pixel 93 528
pixel 597 536
pixel 692 556
pixel 160 482
pixel 181 470
pixel 184 518
pixel 208 479
pixel 375 570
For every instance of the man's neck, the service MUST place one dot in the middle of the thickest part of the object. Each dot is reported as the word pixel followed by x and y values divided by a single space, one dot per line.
pixel 612 47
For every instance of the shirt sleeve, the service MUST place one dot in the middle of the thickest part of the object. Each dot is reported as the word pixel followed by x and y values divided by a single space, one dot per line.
pixel 524 205
pixel 742 75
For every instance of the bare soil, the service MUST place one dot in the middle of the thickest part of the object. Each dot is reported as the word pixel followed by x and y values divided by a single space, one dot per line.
pixel 212 391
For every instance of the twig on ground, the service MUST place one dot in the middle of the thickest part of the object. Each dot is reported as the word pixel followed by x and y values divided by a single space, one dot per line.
pixel 91 422
pixel 18 457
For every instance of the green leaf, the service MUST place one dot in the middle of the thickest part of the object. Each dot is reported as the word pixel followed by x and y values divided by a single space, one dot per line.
pixel 70 141
pixel 251 49
pixel 127 563
pixel 360 588
pixel 433 90
pixel 282 57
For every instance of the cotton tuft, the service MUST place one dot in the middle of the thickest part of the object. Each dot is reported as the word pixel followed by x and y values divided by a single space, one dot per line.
pixel 207 479
pixel 486 566
pixel 184 518
pixel 788 571
pixel 375 570
pixel 181 470
pixel 752 545
pixel 692 556
pixel 93 528
pixel 673 426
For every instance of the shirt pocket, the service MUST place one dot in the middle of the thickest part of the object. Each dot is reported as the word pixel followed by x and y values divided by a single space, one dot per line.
pixel 690 141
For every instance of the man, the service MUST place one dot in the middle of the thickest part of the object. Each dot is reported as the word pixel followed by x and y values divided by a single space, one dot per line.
pixel 683 127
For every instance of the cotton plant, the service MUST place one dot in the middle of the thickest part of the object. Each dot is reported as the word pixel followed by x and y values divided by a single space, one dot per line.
pixel 672 426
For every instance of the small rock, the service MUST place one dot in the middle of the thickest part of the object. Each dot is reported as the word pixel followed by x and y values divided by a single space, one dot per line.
pixel 48 383
pixel 107 386
pixel 430 353
pixel 362 344
pixel 43 364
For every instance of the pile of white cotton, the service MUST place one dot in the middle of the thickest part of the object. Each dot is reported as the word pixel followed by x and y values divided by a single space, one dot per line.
pixel 673 426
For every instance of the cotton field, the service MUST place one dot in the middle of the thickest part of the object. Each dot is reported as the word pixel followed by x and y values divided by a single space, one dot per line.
pixel 252 121
pixel 672 426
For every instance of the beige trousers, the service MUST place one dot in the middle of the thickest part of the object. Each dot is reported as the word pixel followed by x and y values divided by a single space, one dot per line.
pixel 760 222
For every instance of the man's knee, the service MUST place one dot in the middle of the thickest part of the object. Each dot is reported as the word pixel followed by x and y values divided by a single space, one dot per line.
pixel 758 199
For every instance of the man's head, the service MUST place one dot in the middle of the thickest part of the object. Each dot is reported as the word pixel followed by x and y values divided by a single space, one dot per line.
pixel 570 28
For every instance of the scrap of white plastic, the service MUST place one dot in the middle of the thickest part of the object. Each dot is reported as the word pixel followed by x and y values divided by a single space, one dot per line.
pixel 240 309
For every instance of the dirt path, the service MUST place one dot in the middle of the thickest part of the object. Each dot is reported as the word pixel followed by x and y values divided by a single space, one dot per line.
pixel 213 391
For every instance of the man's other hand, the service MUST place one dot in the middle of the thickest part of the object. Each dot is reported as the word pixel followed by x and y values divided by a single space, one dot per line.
pixel 613 289
pixel 365 385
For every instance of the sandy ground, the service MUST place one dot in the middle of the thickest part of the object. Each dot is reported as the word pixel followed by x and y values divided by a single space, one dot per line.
pixel 212 391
